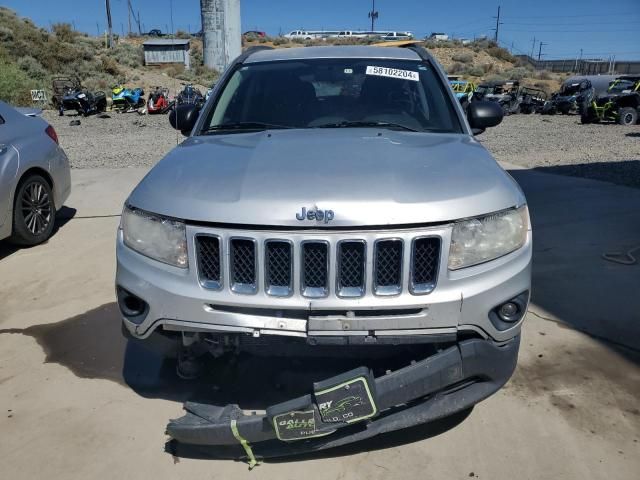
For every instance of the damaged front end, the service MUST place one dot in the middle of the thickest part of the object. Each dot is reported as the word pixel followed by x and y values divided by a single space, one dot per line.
pixel 357 404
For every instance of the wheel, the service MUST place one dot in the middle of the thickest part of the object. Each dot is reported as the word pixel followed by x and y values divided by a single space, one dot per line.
pixel 627 116
pixel 33 212
pixel 564 109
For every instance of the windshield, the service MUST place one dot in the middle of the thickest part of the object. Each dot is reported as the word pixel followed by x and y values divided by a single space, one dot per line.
pixel 333 93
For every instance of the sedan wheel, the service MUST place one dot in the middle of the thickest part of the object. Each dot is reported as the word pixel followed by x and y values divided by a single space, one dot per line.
pixel 34 212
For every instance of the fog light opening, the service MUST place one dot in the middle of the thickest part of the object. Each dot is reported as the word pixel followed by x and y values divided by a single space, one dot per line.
pixel 509 311
pixel 130 305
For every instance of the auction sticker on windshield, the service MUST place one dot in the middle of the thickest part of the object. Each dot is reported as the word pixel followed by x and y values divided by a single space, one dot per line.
pixel 393 73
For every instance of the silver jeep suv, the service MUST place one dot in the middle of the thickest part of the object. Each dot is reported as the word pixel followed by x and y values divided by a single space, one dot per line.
pixel 331 199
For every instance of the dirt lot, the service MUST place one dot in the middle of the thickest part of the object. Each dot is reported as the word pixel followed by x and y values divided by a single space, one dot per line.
pixel 78 401
pixel 557 144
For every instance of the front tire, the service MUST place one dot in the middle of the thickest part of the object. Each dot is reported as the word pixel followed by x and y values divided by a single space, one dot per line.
pixel 628 116
pixel 33 212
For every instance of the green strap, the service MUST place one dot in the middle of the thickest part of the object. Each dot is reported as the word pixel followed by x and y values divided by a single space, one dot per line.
pixel 247 448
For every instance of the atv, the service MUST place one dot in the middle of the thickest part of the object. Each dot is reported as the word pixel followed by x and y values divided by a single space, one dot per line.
pixel 127 99
pixel 506 94
pixel 620 104
pixel 68 94
pixel 158 101
pixel 532 100
pixel 190 95
pixel 570 98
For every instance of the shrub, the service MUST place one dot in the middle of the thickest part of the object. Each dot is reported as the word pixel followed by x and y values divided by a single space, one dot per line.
pixel 462 58
pixel 543 75
pixel 456 68
pixel 517 73
pixel 487 67
pixel 182 34
pixel 32 68
pixel 495 79
pixel 280 41
pixel 64 32
pixel 474 71
pixel 6 34
pixel 500 54
pixel 14 84
pixel 109 65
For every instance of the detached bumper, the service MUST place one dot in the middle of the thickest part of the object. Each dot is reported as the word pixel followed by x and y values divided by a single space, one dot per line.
pixel 438 386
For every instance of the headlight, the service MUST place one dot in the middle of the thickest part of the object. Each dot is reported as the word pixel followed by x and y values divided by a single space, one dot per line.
pixel 485 238
pixel 157 237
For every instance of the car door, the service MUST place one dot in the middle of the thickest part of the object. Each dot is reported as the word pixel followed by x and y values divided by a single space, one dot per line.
pixel 8 168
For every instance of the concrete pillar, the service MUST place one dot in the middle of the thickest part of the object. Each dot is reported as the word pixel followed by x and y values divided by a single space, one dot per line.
pixel 221 36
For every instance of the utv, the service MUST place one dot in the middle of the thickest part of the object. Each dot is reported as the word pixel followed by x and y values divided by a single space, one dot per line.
pixel 68 94
pixel 532 100
pixel 464 91
pixel 620 104
pixel 569 98
pixel 506 94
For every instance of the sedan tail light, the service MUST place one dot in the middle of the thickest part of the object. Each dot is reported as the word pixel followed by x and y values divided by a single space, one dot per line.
pixel 52 133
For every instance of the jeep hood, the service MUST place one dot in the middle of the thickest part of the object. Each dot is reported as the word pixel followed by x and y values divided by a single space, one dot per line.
pixel 366 176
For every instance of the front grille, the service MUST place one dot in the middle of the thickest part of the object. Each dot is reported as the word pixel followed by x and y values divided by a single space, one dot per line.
pixel 387 265
pixel 243 266
pixel 278 268
pixel 351 268
pixel 343 268
pixel 208 252
pixel 424 271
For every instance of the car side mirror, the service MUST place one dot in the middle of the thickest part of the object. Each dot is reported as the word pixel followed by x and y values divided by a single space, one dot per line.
pixel 484 114
pixel 184 117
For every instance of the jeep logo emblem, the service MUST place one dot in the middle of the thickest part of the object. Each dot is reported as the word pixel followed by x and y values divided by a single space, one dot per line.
pixel 316 214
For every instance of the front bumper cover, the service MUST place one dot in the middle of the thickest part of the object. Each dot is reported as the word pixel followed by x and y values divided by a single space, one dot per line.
pixel 438 386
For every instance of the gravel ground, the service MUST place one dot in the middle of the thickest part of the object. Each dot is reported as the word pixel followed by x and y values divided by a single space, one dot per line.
pixel 556 144
pixel 122 140
pixel 561 144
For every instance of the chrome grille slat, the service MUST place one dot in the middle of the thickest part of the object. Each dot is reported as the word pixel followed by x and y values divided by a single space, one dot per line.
pixel 351 260
pixel 278 267
pixel 209 264
pixel 387 267
pixel 242 269
pixel 425 259
pixel 315 269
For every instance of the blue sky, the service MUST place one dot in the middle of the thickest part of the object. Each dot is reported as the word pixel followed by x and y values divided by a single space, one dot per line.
pixel 600 28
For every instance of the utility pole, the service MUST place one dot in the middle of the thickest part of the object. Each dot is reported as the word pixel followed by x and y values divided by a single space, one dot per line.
pixel 129 14
pixel 533 47
pixel 373 15
pixel 575 69
pixel 109 26
pixel 497 24
pixel 540 50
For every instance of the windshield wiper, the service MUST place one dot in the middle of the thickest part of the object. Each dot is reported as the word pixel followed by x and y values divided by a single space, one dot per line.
pixel 238 126
pixel 357 124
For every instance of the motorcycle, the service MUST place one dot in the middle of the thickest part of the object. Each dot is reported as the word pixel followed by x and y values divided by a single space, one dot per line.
pixel 158 102
pixel 127 99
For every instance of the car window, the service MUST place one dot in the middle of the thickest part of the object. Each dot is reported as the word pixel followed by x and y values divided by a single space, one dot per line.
pixel 319 92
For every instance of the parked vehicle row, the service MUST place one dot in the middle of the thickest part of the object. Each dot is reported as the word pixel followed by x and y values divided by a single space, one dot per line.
pixel 595 99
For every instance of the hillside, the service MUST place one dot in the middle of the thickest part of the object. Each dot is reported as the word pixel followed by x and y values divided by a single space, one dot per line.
pixel 30 57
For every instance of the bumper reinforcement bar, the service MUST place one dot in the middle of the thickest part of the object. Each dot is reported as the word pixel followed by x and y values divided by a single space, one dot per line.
pixel 354 406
